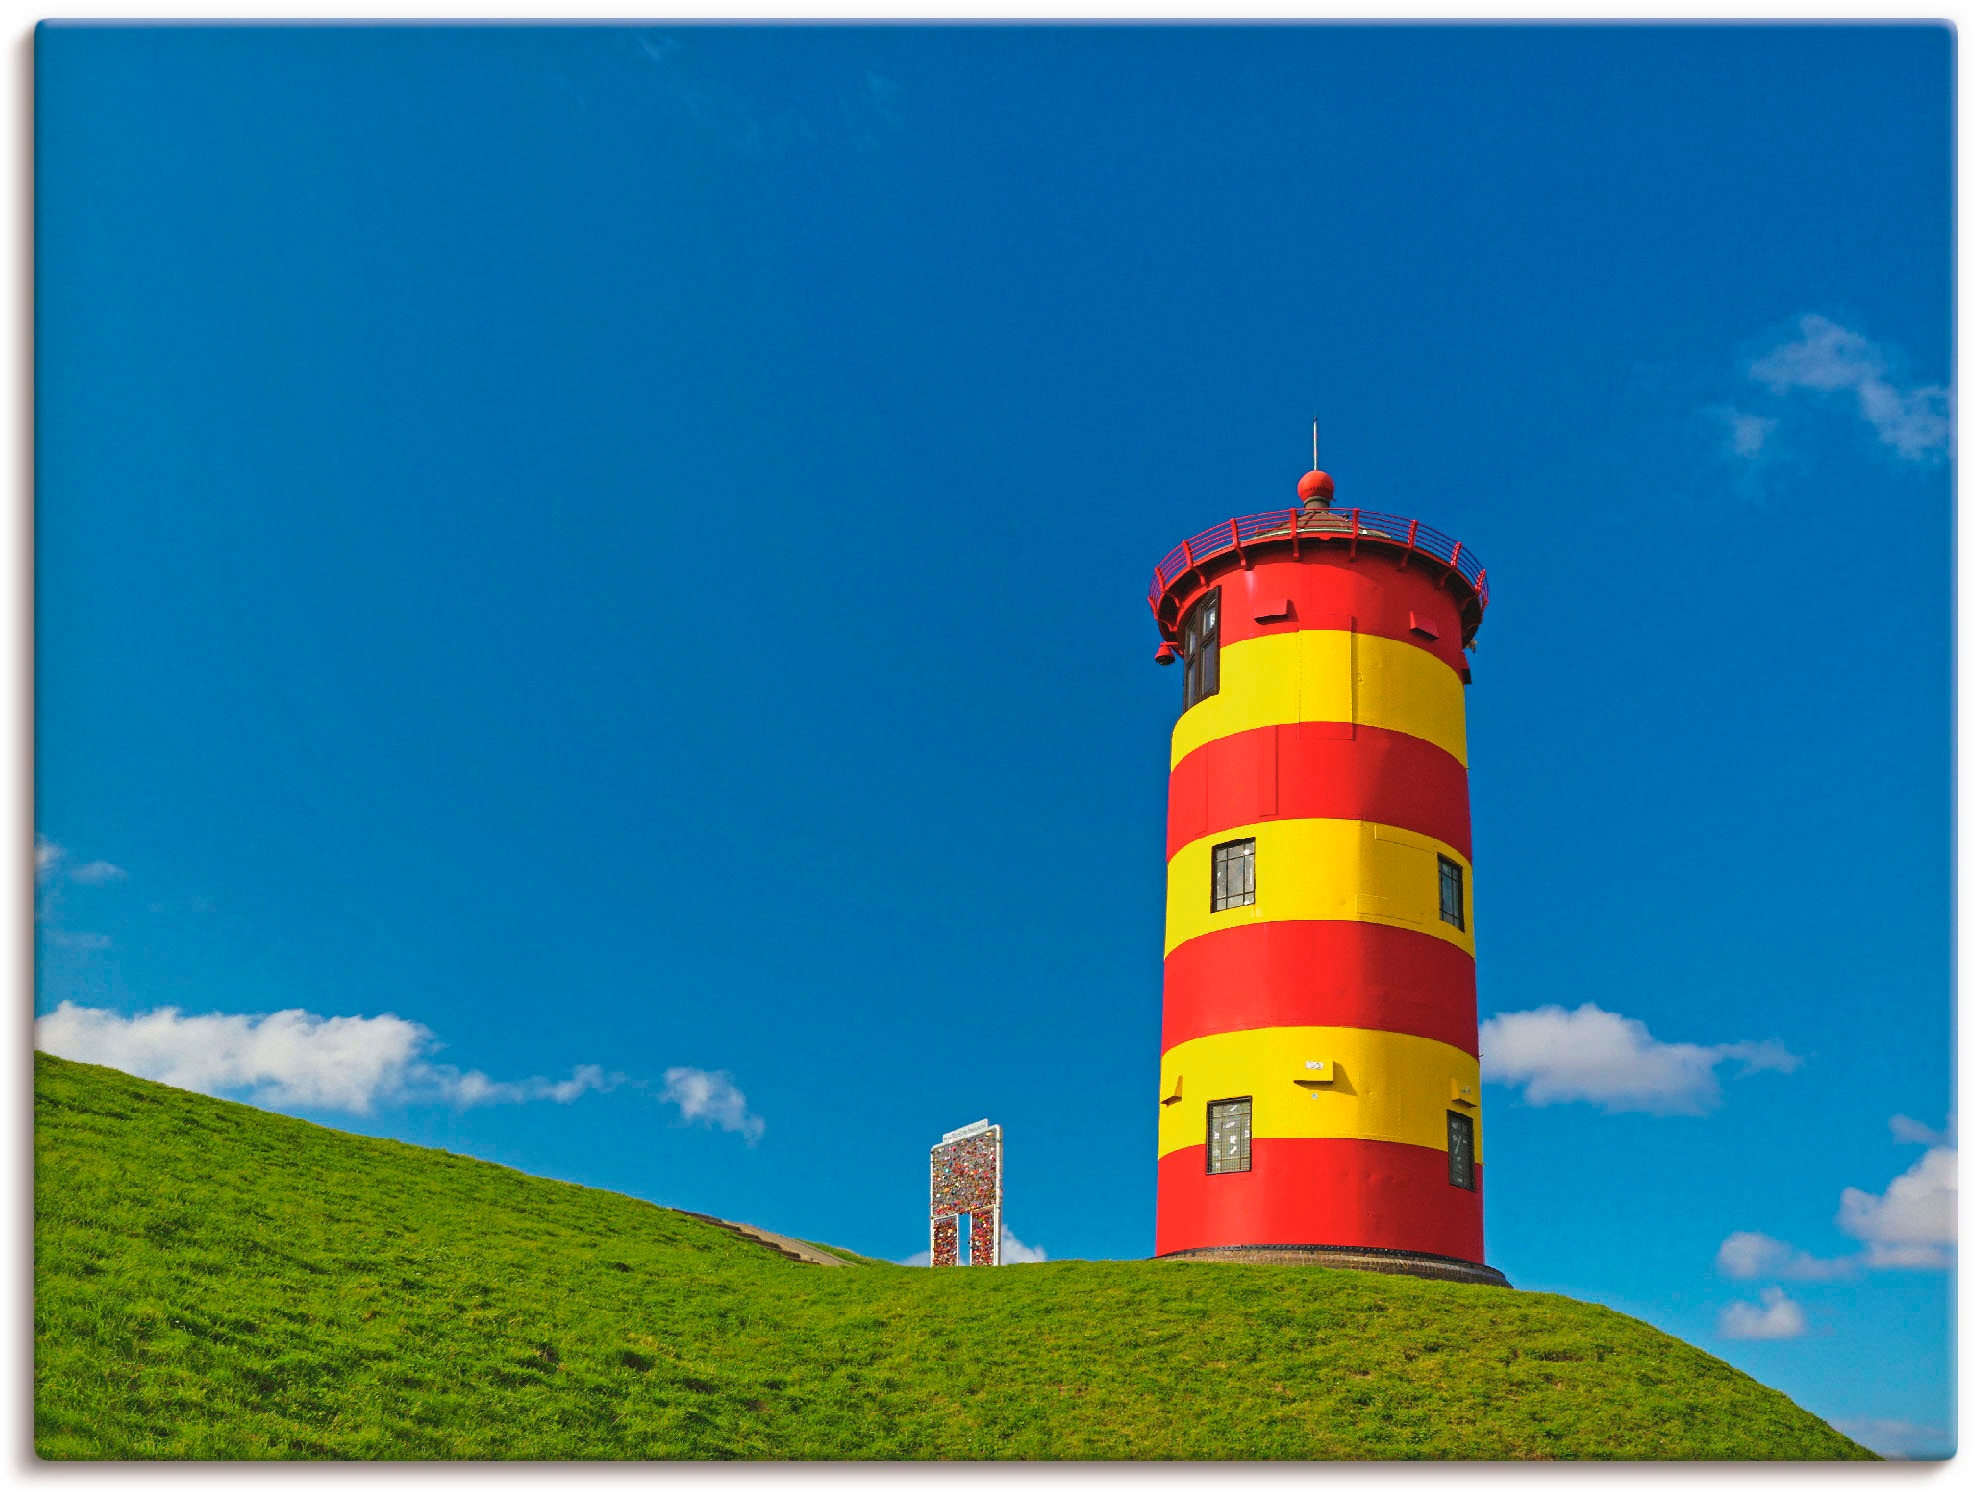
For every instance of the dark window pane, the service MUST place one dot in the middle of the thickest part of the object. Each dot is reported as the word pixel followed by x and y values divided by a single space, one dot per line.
pixel 1198 636
pixel 1232 877
pixel 1450 892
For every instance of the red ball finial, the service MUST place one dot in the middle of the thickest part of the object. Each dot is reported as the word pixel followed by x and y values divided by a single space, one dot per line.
pixel 1316 485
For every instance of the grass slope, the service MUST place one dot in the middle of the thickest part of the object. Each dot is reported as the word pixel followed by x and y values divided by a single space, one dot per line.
pixel 213 1281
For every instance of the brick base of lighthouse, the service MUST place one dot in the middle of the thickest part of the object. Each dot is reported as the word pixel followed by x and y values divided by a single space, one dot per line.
pixel 1383 1261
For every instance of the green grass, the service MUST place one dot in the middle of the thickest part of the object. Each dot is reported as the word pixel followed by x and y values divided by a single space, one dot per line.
pixel 212 1281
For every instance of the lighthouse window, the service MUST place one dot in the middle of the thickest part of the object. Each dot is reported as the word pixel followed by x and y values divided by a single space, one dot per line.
pixel 1199 650
pixel 1233 877
pixel 1230 1136
pixel 1464 1145
pixel 1450 892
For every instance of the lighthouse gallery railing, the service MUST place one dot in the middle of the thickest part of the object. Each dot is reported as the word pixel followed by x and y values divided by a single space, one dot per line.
pixel 1349 525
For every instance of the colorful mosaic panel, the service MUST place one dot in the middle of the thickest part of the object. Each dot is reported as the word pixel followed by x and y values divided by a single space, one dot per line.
pixel 983 1237
pixel 963 1174
pixel 965 1178
pixel 942 1246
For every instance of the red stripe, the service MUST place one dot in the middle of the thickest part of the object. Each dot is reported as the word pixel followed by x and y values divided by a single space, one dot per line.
pixel 1368 1193
pixel 1324 588
pixel 1315 973
pixel 1311 771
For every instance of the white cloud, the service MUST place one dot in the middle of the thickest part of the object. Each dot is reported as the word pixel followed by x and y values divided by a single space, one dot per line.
pixel 1828 359
pixel 1750 1256
pixel 97 873
pixel 288 1059
pixel 712 1099
pixel 1913 1223
pixel 62 938
pixel 47 856
pixel 1017 1252
pixel 1774 1317
pixel 291 1059
pixel 1597 1056
pixel 1908 1132
pixel 920 1257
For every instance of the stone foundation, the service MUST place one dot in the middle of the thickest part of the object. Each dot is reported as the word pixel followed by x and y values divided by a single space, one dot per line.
pixel 1344 1257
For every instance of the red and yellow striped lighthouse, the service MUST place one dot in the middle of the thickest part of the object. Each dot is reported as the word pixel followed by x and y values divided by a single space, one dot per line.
pixel 1319 1084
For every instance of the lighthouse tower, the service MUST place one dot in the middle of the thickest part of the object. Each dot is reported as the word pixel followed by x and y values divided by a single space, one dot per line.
pixel 1319 1084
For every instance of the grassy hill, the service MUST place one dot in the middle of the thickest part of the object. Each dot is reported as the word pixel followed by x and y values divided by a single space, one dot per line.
pixel 212 1281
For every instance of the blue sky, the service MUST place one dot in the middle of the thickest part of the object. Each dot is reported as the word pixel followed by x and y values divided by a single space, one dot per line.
pixel 623 551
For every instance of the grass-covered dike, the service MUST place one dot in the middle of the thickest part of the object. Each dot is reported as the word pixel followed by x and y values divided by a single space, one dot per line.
pixel 213 1281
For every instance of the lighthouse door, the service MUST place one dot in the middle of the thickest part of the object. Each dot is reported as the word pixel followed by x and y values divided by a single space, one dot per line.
pixel 1464 1141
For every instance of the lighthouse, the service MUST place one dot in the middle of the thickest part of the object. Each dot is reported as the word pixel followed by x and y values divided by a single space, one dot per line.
pixel 1319 1092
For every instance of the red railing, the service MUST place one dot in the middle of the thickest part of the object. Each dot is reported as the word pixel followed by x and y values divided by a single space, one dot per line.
pixel 1351 525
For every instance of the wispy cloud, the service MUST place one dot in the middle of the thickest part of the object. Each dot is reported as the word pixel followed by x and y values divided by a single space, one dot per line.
pixel 712 1098
pixel 1913 1223
pixel 1774 1316
pixel 1901 1440
pixel 1598 1057
pixel 1745 433
pixel 656 48
pixel 54 868
pixel 354 1064
pixel 873 109
pixel 1908 1132
pixel 1750 1256
pixel 53 861
pixel 861 107
pixel 471 1088
pixel 1827 361
pixel 882 95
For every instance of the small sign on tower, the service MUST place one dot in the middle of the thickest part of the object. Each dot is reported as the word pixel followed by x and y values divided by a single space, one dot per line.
pixel 966 1196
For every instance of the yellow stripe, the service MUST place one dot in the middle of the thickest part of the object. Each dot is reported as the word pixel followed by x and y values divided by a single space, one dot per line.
pixel 1383 1086
pixel 1310 869
pixel 1324 674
